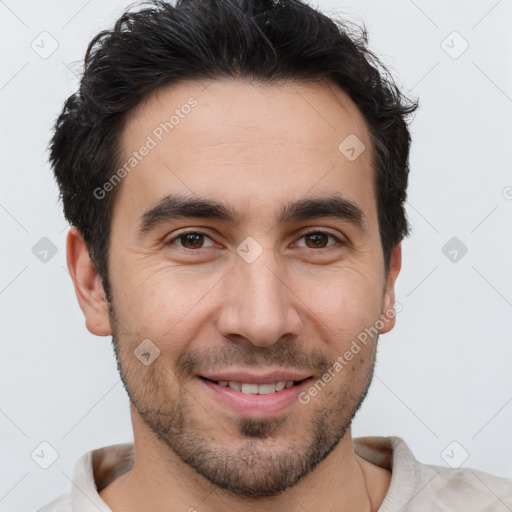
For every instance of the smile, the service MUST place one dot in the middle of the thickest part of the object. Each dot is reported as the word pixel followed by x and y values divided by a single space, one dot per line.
pixel 255 389
pixel 253 400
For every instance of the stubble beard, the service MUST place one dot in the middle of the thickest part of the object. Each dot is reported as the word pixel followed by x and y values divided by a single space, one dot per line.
pixel 255 465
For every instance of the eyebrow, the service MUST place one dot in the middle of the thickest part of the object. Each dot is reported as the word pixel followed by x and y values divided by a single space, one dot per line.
pixel 177 206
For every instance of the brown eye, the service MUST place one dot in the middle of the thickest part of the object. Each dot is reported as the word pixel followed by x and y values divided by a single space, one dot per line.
pixel 192 240
pixel 318 239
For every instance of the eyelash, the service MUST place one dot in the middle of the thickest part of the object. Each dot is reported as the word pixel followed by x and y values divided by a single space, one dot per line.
pixel 315 232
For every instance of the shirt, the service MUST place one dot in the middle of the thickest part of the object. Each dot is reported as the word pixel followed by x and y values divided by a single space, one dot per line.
pixel 414 487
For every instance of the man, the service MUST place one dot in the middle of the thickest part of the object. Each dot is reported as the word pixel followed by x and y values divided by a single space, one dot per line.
pixel 235 174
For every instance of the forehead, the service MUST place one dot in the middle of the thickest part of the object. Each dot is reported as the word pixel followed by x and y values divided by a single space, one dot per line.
pixel 239 140
pixel 309 110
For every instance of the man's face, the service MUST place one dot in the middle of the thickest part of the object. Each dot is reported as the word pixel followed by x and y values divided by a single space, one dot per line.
pixel 240 299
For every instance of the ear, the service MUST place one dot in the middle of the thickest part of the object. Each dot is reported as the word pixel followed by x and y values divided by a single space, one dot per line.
pixel 88 286
pixel 388 314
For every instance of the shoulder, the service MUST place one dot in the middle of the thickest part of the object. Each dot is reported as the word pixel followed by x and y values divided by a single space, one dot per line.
pixel 416 486
pixel 61 504
pixel 94 470
pixel 466 488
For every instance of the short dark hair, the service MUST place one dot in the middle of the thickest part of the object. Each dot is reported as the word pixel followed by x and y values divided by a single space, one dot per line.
pixel 259 40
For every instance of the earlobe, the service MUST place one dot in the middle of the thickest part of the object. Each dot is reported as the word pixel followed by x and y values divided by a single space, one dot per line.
pixel 88 285
pixel 388 313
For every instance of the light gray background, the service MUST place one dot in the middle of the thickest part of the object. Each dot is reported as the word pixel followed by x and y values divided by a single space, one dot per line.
pixel 443 374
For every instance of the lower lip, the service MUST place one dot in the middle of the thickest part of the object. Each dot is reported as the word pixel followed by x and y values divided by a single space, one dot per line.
pixel 256 406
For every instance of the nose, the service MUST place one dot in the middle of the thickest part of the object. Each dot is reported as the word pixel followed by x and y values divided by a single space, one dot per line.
pixel 258 303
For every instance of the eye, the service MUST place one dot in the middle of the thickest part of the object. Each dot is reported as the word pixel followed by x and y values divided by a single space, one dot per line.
pixel 193 240
pixel 319 239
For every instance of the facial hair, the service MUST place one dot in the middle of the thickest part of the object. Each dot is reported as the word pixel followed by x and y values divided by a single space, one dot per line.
pixel 257 464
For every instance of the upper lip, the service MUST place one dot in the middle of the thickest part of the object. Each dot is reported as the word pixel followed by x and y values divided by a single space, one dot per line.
pixel 253 378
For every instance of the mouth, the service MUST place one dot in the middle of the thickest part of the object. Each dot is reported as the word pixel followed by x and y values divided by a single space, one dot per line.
pixel 256 389
pixel 249 399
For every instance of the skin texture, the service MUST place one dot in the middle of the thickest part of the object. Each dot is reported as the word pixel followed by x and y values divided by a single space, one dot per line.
pixel 299 305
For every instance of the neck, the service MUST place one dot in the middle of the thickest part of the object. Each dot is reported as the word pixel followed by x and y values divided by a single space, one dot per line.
pixel 159 479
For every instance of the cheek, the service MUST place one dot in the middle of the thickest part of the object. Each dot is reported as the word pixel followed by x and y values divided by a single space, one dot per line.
pixel 170 304
pixel 164 305
pixel 346 302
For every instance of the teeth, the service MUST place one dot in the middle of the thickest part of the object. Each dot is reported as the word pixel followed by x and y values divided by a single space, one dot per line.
pixel 264 389
pixel 250 388
pixel 280 385
pixel 255 389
